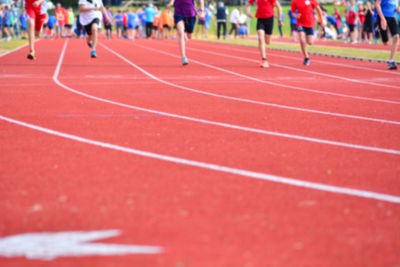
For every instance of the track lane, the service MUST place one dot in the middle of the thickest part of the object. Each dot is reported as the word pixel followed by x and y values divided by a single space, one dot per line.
pixel 284 120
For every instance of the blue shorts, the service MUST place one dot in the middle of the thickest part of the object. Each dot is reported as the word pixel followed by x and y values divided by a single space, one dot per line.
pixel 189 22
pixel 306 30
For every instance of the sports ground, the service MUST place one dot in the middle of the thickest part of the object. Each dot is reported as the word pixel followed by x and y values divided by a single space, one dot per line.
pixel 219 163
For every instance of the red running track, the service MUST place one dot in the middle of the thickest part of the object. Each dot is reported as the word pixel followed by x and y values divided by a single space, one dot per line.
pixel 201 217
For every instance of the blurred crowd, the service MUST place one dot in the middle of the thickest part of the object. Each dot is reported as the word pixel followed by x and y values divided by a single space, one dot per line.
pixel 349 21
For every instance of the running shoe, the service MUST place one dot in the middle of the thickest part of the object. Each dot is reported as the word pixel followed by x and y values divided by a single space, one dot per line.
pixel 392 65
pixel 264 64
pixel 31 55
pixel 306 61
pixel 185 61
pixel 93 53
pixel 89 44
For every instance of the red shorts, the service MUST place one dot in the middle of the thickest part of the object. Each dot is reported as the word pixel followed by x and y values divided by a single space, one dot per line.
pixel 34 13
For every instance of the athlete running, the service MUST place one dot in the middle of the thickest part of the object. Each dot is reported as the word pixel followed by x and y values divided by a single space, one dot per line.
pixel 37 12
pixel 305 23
pixel 185 18
pixel 91 12
pixel 265 23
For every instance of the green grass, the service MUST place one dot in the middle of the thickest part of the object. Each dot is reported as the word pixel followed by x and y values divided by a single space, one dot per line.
pixel 340 51
pixel 13 44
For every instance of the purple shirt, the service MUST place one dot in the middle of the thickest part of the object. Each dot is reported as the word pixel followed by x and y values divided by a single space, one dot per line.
pixel 184 8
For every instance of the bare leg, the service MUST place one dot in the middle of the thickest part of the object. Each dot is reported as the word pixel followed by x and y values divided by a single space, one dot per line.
pixel 94 35
pixel 261 43
pixel 303 44
pixel 395 43
pixel 181 37
pixel 31 34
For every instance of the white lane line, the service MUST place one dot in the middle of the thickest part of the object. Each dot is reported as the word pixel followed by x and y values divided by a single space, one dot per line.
pixel 279 84
pixel 297 69
pixel 245 100
pixel 220 124
pixel 222 46
pixel 214 167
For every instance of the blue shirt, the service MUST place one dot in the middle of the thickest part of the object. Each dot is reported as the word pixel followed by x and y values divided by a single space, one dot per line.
pixel 131 20
pixel 118 19
pixel 51 21
pixel 7 18
pixel 150 12
pixel 293 20
pixel 23 21
pixel 389 8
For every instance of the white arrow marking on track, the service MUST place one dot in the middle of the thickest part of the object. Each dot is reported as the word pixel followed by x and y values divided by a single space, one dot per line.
pixel 48 246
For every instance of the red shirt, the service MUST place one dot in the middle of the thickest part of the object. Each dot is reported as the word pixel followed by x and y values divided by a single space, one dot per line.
pixel 351 18
pixel 361 15
pixel 306 9
pixel 60 15
pixel 125 20
pixel 265 8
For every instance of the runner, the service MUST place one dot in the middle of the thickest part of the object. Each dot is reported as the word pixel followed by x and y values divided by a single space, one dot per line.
pixel 37 12
pixel 305 23
pixel 265 24
pixel 386 10
pixel 185 18
pixel 90 15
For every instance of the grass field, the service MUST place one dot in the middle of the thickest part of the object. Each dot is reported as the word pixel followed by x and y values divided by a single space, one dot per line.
pixel 7 46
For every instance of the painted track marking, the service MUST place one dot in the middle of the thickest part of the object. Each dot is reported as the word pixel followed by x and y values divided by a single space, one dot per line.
pixel 279 84
pixel 297 58
pixel 214 167
pixel 245 100
pixel 215 123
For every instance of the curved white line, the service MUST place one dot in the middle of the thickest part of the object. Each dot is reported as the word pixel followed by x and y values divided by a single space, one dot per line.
pixel 214 167
pixel 245 100
pixel 296 58
pixel 280 84
pixel 299 70
pixel 220 124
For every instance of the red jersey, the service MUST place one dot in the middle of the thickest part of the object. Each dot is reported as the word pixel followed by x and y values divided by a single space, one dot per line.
pixel 29 4
pixel 305 8
pixel 60 15
pixel 265 8
pixel 361 15
pixel 125 20
pixel 351 18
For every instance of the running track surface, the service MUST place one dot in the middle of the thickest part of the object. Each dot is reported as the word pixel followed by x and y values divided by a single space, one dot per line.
pixel 228 128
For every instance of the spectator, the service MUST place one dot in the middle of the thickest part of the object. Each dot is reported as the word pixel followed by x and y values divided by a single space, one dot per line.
pixel 361 21
pixel 221 19
pixel 368 23
pixel 166 22
pixel 23 19
pixel 108 24
pixel 51 22
pixel 293 22
pixel 234 21
pixel 351 22
pixel 125 24
pixel 242 31
pixel 207 19
pixel 15 19
pixel 132 22
pixel 119 24
pixel 149 12
pixel 69 21
pixel 7 23
pixel 60 15
pixel 201 22
pixel 280 25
